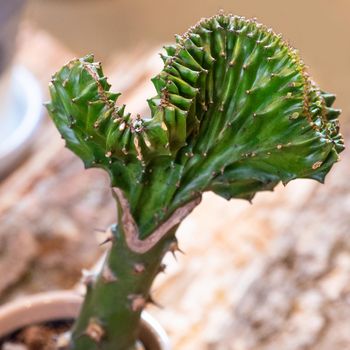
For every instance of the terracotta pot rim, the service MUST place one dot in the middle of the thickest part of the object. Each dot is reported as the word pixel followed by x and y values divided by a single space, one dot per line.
pixel 57 305
pixel 21 118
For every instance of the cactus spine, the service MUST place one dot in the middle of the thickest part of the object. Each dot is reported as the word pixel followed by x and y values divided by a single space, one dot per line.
pixel 235 113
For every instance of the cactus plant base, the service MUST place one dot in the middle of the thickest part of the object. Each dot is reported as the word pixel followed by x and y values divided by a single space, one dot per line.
pixel 44 336
pixel 63 306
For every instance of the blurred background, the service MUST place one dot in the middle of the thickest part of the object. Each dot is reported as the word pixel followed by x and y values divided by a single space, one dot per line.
pixel 318 28
pixel 272 275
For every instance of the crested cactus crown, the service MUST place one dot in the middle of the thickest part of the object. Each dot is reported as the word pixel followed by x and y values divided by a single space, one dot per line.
pixel 235 113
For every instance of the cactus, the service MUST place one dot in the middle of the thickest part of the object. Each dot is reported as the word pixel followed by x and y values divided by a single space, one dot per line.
pixel 235 113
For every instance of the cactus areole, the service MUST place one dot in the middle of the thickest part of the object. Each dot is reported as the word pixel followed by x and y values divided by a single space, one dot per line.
pixel 235 113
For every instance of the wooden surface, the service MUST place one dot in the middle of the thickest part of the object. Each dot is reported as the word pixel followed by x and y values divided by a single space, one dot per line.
pixel 252 275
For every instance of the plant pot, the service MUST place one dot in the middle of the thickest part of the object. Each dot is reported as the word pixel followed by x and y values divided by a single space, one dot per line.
pixel 65 305
pixel 20 94
pixel 10 12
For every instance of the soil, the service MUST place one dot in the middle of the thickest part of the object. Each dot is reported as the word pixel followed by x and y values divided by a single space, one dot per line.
pixel 40 337
pixel 36 337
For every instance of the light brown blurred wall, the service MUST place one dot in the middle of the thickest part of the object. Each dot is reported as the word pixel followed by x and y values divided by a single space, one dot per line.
pixel 320 29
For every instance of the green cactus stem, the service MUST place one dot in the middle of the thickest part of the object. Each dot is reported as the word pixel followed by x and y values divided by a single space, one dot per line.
pixel 235 113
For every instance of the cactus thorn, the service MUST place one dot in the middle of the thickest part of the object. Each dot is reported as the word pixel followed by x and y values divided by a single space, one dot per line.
pixel 122 126
pixel 109 238
pixel 174 247
pixel 139 268
pixel 94 330
pixel 161 268
pixel 88 278
pixel 108 275
pixel 138 302
pixel 294 115
pixel 150 300
pixel 316 165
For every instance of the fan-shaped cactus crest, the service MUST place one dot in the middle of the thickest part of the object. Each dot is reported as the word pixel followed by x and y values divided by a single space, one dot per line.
pixel 235 112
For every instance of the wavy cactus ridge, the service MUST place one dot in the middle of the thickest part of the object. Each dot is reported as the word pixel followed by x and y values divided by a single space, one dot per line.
pixel 235 113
